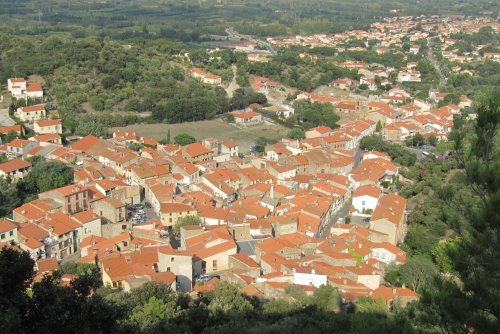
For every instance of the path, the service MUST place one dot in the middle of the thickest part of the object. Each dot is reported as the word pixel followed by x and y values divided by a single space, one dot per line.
pixel 432 58
pixel 233 85
pixel 233 34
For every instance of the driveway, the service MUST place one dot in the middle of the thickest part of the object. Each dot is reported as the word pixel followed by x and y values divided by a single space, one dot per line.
pixel 5 119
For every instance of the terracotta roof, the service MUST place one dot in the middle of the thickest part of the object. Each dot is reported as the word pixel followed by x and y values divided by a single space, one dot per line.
pixel 367 190
pixel 85 143
pixel 6 225
pixel 46 264
pixel 208 286
pixel 13 165
pixel 245 259
pixel 51 122
pixel 391 207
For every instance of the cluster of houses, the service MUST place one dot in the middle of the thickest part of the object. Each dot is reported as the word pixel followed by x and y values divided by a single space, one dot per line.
pixel 20 88
pixel 265 221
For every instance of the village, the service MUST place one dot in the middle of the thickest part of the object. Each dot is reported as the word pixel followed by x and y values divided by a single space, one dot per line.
pixel 307 212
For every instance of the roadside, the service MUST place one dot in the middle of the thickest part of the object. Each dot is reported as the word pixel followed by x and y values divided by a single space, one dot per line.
pixel 432 58
pixel 5 119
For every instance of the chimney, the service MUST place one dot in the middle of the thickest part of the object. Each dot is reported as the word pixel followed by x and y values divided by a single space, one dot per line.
pixel 313 271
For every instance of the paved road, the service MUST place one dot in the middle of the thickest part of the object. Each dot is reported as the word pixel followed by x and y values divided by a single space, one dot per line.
pixel 233 34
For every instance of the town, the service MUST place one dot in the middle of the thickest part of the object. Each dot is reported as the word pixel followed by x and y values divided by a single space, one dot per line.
pixel 313 208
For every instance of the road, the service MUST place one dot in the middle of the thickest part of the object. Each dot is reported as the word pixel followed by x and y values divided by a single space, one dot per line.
pixel 432 58
pixel 233 34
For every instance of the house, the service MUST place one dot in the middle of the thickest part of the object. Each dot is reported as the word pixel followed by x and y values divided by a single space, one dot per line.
pixel 213 248
pixel 111 210
pixel 47 139
pixel 8 231
pixel 247 118
pixel 370 83
pixel 15 169
pixel 282 110
pixel 31 113
pixel 230 147
pixel 346 107
pixel 34 91
pixel 414 49
pixel 204 77
pixel 394 297
pixel 20 147
pixel 343 83
pixel 170 213
pixel 18 129
pixel 63 239
pixel 319 131
pixel 179 262
pixel 389 217
pixel 49 126
pixel 366 198
pixel 72 198
pixel 16 86
pixel 196 153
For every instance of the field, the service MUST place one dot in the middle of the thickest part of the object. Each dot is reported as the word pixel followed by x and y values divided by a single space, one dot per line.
pixel 212 128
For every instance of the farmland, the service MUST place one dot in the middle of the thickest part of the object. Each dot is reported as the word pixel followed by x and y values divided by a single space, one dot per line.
pixel 211 128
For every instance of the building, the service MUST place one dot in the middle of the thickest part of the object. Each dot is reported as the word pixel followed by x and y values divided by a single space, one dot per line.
pixel 205 77
pixel 247 118
pixel 31 113
pixel 49 126
pixel 15 169
pixel 170 213
pixel 389 217
pixel 72 198
pixel 20 147
pixel 366 198
pixel 8 231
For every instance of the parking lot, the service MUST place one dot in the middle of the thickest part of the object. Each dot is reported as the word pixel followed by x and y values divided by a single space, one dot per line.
pixel 141 213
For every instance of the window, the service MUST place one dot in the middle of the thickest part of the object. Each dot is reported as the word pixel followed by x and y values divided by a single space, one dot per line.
pixel 362 202
pixel 11 233
pixel 168 269
pixel 2 236
pixel 124 227
pixel 214 265
pixel 172 259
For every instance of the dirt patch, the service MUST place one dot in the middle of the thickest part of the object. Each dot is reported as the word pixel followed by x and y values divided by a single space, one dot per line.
pixel 213 128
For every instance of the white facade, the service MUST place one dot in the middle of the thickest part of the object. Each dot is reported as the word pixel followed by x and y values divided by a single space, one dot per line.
pixel 310 279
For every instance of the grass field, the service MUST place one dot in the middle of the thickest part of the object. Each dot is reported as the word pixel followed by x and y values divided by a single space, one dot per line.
pixel 212 128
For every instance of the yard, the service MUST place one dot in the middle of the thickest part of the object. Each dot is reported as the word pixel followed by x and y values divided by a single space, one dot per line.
pixel 212 128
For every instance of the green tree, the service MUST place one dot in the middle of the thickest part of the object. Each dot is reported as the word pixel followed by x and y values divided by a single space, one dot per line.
pixel 470 300
pixel 152 314
pixel 296 134
pixel 417 273
pixel 184 139
pixel 378 127
pixel 187 221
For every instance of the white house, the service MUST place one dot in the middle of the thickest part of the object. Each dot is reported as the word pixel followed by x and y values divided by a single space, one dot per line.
pixel 16 86
pixel 366 197
pixel 34 91
pixel 309 277
pixel 49 126
pixel 31 113
pixel 204 77
pixel 230 147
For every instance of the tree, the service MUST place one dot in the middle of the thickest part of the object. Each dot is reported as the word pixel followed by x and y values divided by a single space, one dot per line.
pixel 378 127
pixel 10 136
pixel 296 134
pixel 169 140
pixel 470 300
pixel 417 273
pixel 187 221
pixel 152 314
pixel 432 140
pixel 9 197
pixel 184 139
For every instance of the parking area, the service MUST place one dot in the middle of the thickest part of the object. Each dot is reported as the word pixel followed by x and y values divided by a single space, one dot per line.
pixel 141 213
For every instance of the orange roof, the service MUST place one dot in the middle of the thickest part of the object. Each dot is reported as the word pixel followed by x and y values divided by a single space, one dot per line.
pixel 46 264
pixel 367 190
pixel 13 165
pixel 19 143
pixel 7 129
pixel 6 225
pixel 248 114
pixel 85 143
pixel 391 207
pixel 34 87
pixel 196 149
pixel 48 122
pixel 175 207
pixel 245 259
pixel 38 107
pixel 208 286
